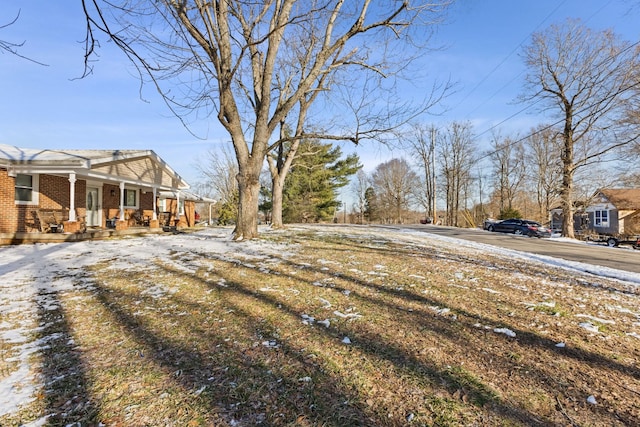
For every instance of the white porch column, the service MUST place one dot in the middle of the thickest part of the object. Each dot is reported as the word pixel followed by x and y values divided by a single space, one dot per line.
pixel 121 201
pixel 72 197
pixel 155 207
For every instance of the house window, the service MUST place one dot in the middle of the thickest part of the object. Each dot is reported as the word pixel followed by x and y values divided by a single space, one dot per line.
pixel 26 189
pixel 601 218
pixel 130 198
pixel 181 207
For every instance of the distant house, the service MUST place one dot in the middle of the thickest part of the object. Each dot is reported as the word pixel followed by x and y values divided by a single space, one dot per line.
pixel 78 190
pixel 608 211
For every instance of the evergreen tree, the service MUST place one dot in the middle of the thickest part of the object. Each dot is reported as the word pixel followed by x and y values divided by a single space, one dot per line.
pixel 228 211
pixel 317 172
pixel 371 205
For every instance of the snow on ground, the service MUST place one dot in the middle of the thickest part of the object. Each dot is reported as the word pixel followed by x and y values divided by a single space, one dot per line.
pixel 558 262
pixel 32 275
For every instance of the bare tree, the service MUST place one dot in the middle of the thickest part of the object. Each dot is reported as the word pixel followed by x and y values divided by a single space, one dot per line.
pixel 11 47
pixel 631 172
pixel 393 182
pixel 230 58
pixel 586 79
pixel 456 150
pixel 544 149
pixel 422 144
pixel 509 169
pixel 219 170
pixel 359 188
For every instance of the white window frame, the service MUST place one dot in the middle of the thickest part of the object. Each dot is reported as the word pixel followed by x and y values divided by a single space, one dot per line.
pixel 137 203
pixel 600 220
pixel 35 190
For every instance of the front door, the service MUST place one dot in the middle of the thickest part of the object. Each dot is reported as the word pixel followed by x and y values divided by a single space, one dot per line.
pixel 93 219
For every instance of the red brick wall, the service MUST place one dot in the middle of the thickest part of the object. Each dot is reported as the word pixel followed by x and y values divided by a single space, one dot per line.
pixel 53 192
pixel 146 202
pixel 111 204
pixel 8 207
pixel 81 197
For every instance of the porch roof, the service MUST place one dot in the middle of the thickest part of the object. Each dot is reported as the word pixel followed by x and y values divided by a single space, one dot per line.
pixel 187 195
pixel 139 167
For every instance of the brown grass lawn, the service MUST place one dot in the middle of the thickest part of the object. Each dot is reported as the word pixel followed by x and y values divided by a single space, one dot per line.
pixel 346 327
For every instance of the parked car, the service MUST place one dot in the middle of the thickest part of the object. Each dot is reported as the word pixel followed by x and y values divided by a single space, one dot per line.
pixel 487 223
pixel 523 227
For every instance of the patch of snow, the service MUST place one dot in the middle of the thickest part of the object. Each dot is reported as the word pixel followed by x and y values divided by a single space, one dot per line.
pixel 508 332
pixel 271 343
pixel 308 320
pixel 326 323
pixel 596 319
pixel 325 303
pixel 348 315
pixel 589 327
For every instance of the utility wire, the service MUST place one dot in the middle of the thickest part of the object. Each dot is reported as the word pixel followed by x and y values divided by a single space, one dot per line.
pixel 501 63
pixel 518 75
pixel 586 108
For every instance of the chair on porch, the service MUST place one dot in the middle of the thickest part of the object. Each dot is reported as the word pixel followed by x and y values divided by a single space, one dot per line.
pixel 51 220
pixel 140 218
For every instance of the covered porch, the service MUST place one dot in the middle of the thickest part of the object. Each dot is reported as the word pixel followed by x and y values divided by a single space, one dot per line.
pixel 81 191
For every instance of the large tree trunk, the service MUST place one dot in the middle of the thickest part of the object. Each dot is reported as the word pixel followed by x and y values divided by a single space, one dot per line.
pixel 567 202
pixel 249 191
pixel 276 202
pixel 568 169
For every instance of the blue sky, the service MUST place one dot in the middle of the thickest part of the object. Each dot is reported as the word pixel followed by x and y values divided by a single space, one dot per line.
pixel 48 107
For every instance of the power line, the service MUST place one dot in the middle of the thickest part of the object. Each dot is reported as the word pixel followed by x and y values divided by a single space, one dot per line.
pixel 514 50
pixel 518 75
pixel 586 108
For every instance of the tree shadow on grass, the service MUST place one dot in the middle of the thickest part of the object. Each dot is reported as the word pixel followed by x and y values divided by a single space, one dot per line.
pixel 237 382
pixel 241 384
pixel 376 347
pixel 66 393
pixel 406 364
pixel 467 321
pixel 528 338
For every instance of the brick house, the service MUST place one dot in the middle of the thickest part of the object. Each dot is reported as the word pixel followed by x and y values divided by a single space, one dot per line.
pixel 89 190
